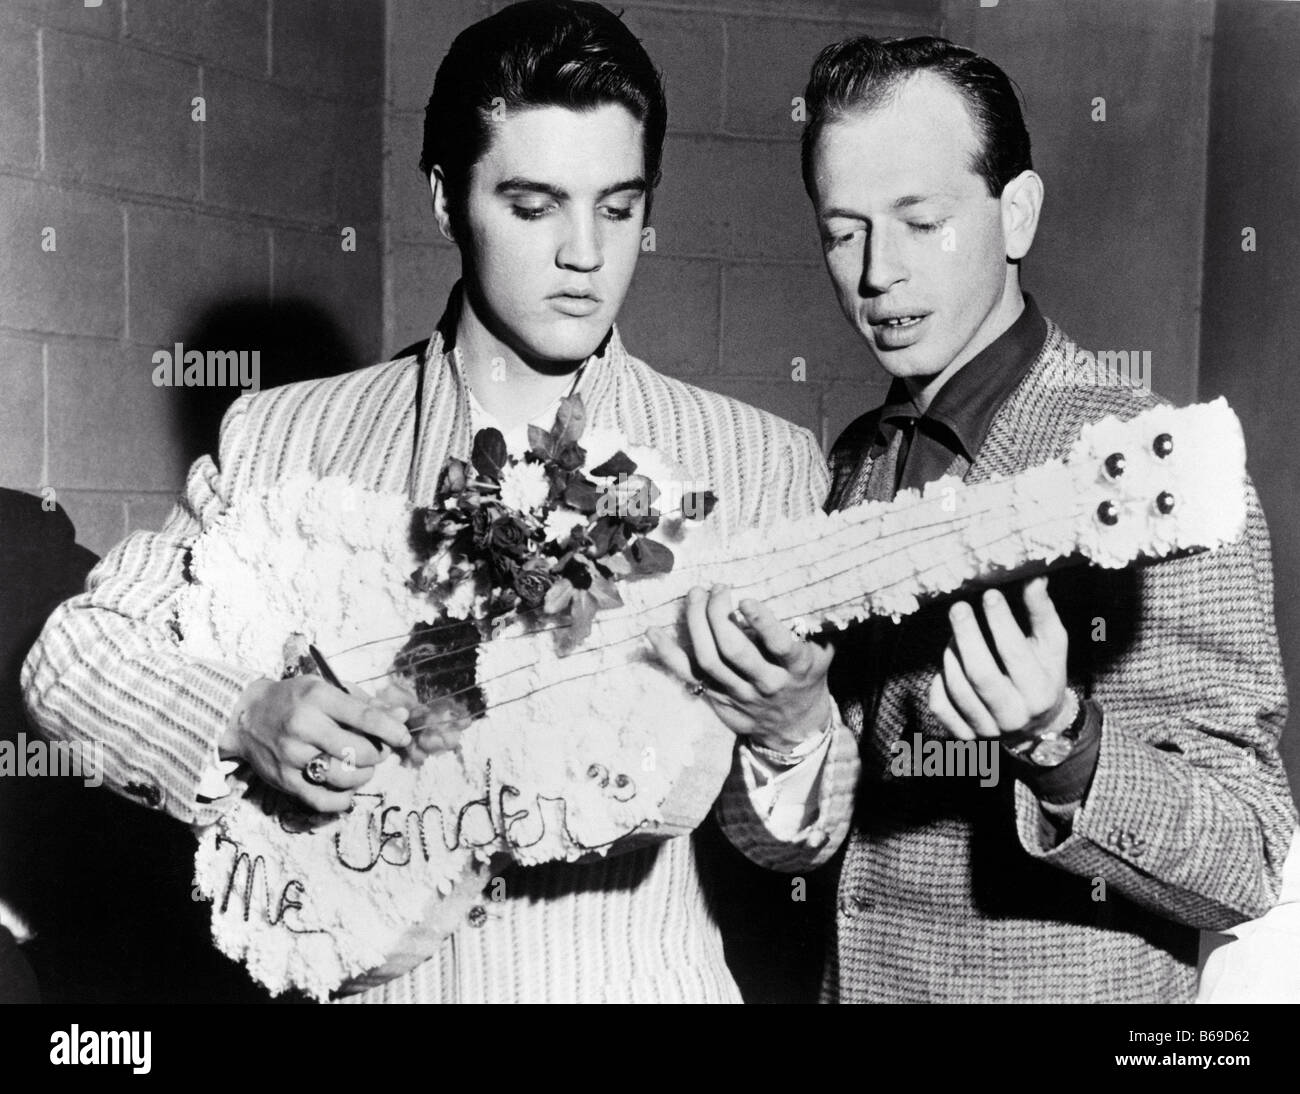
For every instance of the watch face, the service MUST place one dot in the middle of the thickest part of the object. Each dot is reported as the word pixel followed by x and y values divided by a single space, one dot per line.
pixel 1050 751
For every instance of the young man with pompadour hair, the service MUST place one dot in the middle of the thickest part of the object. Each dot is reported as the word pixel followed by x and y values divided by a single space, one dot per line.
pixel 543 143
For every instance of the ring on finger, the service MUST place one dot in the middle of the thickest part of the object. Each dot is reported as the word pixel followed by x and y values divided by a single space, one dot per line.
pixel 696 687
pixel 317 769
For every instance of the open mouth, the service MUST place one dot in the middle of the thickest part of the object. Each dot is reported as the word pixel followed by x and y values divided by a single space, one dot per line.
pixel 897 331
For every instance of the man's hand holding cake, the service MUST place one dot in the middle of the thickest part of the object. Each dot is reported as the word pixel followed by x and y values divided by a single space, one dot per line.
pixel 282 727
pixel 766 683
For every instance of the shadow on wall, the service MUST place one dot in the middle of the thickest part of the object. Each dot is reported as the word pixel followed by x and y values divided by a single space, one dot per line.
pixel 104 884
pixel 295 339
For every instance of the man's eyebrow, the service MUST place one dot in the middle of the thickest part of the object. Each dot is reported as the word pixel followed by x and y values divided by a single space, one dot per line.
pixel 836 211
pixel 637 184
pixel 908 200
pixel 519 185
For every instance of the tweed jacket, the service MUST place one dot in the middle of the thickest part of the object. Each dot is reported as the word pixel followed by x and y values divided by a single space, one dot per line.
pixel 949 891
pixel 630 928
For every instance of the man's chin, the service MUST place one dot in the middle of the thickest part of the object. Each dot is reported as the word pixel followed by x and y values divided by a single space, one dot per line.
pixel 569 339
pixel 904 364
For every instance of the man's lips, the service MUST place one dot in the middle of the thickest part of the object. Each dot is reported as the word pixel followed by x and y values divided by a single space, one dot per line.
pixel 577 302
pixel 896 318
pixel 897 329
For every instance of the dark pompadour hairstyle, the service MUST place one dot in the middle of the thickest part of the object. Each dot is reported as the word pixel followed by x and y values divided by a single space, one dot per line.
pixel 862 73
pixel 537 53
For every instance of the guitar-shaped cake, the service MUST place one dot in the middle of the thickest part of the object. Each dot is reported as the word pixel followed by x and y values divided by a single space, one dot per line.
pixel 597 750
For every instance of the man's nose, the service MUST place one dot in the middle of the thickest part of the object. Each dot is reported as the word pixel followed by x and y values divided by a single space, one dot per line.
pixel 882 263
pixel 580 249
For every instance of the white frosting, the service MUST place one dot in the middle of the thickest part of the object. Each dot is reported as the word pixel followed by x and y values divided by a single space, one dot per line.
pixel 592 743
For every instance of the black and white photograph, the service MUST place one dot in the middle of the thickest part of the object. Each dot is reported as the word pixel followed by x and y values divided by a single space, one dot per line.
pixel 676 502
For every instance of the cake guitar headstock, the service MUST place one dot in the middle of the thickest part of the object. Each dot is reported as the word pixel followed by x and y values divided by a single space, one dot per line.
pixel 1166 481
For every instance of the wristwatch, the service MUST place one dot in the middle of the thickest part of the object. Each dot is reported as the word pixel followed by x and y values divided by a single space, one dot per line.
pixel 1051 748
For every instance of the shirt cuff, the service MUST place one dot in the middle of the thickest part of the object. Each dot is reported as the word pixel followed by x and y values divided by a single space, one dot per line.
pixel 787 795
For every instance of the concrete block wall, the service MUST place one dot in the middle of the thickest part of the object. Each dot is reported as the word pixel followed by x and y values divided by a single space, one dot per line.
pixel 126 221
pixel 1117 105
pixel 735 290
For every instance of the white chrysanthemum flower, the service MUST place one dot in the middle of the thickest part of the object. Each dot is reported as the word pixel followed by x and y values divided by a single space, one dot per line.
pixel 462 600
pixel 524 487
pixel 560 523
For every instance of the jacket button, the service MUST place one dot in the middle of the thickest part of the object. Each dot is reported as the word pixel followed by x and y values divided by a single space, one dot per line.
pixel 854 905
pixel 1126 842
pixel 477 915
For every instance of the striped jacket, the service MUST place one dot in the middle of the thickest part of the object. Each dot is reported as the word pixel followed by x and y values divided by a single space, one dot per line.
pixel 107 666
pixel 949 891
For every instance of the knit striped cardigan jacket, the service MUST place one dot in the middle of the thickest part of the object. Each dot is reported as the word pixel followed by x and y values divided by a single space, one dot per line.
pixel 107 666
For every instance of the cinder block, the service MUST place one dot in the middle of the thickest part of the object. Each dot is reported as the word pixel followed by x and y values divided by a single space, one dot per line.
pixel 20 120
pixel 359 164
pixel 688 50
pixel 119 116
pixel 110 427
pixel 103 20
pixel 419 34
pixel 22 412
pixel 182 262
pixel 771 216
pixel 845 400
pixel 420 279
pixel 670 317
pixel 733 197
pixel 76 288
pixel 347 285
pixel 267 148
pixel 334 49
pixel 795 402
pixel 148 512
pixel 774 314
pixel 407 203
pixel 224 32
pixel 692 212
pixel 98 517
pixel 768 62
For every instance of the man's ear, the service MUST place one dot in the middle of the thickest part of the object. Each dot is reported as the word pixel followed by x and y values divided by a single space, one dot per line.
pixel 1022 201
pixel 438 187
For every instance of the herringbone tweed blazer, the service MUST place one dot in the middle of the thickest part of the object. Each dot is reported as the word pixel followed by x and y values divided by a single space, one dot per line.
pixel 952 892
pixel 107 666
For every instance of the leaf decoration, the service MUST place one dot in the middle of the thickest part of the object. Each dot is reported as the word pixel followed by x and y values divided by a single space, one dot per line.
pixel 607 536
pixel 649 557
pixel 581 494
pixel 620 463
pixel 490 455
pixel 541 442
pixel 582 610
pixel 558 597
pixel 570 420
pixel 452 480
pixel 605 593
pixel 616 564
